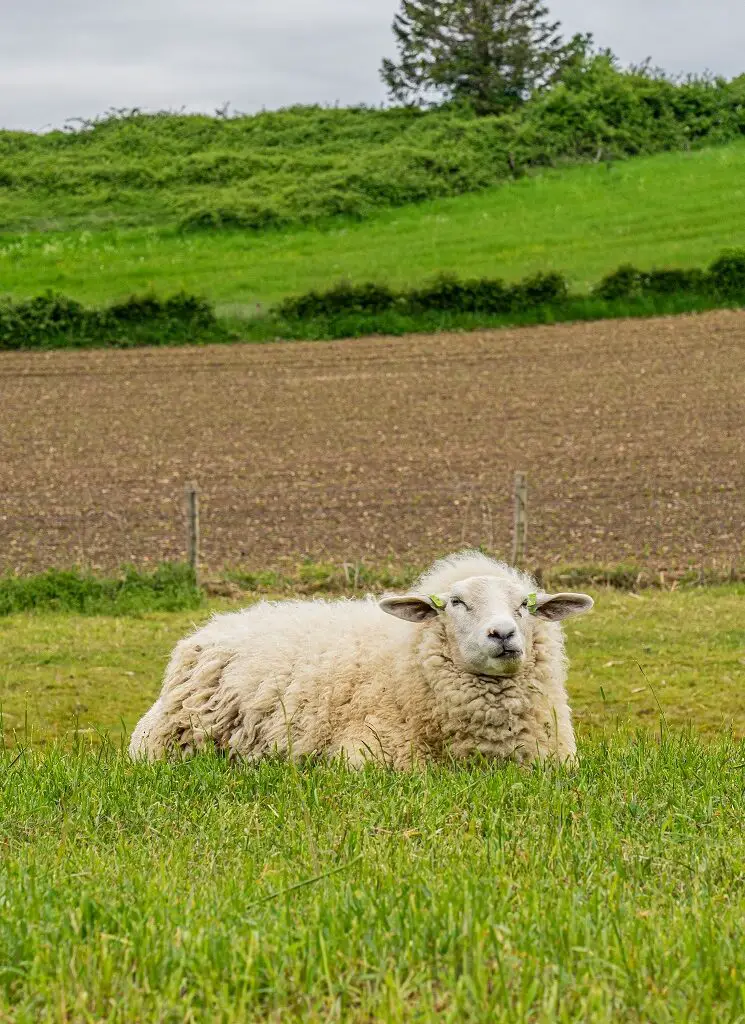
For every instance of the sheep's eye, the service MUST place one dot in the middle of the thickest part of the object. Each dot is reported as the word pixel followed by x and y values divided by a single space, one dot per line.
pixel 455 601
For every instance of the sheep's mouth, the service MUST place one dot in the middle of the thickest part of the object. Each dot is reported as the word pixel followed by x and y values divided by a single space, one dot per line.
pixel 507 663
pixel 507 654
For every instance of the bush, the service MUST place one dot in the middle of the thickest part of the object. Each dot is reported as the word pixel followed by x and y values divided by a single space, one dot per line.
pixel 488 295
pixel 624 283
pixel 675 282
pixel 447 292
pixel 250 217
pixel 541 290
pixel 180 310
pixel 45 319
pixel 725 277
pixel 306 164
pixel 727 274
pixel 443 293
pixel 53 321
pixel 342 298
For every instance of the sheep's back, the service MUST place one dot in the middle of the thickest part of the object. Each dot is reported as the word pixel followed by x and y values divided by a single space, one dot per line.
pixel 279 675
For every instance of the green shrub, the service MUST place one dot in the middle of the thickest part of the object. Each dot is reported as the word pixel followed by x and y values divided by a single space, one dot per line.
pixel 342 298
pixel 624 283
pixel 248 217
pixel 45 319
pixel 54 321
pixel 540 290
pixel 727 273
pixel 725 277
pixel 306 164
pixel 448 292
pixel 445 292
pixel 675 282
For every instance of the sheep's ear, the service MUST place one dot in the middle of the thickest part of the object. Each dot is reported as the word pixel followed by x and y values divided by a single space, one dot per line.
pixel 413 609
pixel 560 606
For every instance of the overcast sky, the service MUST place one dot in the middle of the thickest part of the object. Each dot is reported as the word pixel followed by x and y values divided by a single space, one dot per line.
pixel 75 58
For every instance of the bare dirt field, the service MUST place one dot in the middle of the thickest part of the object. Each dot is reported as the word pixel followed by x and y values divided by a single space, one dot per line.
pixel 632 433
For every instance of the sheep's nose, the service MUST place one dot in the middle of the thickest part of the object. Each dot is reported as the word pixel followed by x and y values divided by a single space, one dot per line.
pixel 502 631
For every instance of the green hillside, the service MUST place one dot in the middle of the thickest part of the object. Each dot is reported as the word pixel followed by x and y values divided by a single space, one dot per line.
pixel 677 209
pixel 609 167
pixel 306 164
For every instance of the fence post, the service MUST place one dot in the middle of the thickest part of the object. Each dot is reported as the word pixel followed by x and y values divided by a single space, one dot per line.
pixel 192 529
pixel 520 531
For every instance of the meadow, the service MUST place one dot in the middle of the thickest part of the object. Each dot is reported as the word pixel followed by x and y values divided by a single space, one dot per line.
pixel 473 892
pixel 199 891
pixel 672 209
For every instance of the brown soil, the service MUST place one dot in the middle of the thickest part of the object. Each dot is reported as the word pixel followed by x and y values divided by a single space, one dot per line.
pixel 632 434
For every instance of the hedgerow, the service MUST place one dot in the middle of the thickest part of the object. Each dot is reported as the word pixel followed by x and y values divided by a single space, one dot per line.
pixel 305 164
pixel 56 321
pixel 725 278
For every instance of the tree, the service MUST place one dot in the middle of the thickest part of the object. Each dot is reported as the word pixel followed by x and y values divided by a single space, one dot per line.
pixel 490 54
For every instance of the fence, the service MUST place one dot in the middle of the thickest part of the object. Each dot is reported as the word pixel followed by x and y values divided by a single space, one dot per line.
pixel 519 529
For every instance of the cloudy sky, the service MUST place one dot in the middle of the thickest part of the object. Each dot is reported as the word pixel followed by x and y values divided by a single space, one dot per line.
pixel 61 59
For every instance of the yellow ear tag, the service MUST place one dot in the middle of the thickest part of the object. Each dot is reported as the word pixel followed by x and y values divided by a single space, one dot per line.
pixel 532 603
pixel 436 601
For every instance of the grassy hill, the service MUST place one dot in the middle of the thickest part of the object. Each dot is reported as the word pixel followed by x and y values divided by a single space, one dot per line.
pixel 306 164
pixel 676 209
pixel 248 210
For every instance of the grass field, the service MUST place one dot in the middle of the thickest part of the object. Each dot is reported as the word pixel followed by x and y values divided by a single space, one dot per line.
pixel 201 891
pixel 677 209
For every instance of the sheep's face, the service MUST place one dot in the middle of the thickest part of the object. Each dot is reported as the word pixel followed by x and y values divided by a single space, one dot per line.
pixel 489 621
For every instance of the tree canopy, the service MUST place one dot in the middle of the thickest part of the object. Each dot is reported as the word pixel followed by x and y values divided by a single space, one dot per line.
pixel 490 54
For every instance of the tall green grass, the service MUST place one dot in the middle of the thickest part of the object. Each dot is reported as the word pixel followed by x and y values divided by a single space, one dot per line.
pixel 470 892
pixel 170 587
pixel 202 891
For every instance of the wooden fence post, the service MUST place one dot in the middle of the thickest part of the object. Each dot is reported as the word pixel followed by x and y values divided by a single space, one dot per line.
pixel 192 529
pixel 520 531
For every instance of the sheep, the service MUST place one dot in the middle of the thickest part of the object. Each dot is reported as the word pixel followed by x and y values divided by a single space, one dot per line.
pixel 470 662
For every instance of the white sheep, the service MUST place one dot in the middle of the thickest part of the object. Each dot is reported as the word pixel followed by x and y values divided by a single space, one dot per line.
pixel 471 661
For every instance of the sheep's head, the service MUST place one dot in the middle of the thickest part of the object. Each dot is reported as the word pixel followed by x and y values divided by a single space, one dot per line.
pixel 490 621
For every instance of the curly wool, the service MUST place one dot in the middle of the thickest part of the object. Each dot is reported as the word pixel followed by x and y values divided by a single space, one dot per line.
pixel 342 678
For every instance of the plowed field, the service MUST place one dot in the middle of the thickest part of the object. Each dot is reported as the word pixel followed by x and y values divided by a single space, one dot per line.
pixel 632 434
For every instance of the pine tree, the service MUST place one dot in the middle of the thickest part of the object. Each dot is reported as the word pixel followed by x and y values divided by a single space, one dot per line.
pixel 491 54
